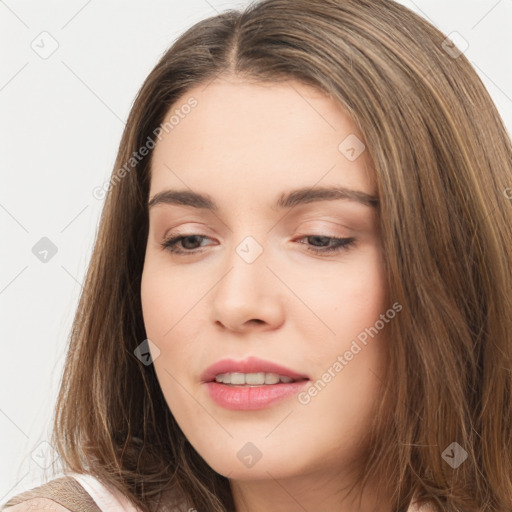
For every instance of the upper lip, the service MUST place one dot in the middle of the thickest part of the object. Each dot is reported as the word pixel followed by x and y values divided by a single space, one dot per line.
pixel 249 365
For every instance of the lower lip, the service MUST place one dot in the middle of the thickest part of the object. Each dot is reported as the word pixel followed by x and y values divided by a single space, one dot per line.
pixel 250 398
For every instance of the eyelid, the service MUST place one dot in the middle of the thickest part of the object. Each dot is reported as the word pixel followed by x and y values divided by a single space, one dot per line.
pixel 301 231
pixel 322 224
pixel 190 229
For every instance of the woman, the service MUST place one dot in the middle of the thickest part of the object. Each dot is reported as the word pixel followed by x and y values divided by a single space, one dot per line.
pixel 299 297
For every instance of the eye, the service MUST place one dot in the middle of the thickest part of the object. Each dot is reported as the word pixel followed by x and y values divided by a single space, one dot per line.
pixel 186 241
pixel 340 244
pixel 171 244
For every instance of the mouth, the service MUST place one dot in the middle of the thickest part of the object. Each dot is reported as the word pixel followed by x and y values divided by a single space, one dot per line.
pixel 253 379
pixel 250 372
pixel 251 384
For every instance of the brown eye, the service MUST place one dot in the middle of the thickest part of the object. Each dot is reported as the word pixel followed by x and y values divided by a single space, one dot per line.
pixel 318 244
pixel 340 244
pixel 187 241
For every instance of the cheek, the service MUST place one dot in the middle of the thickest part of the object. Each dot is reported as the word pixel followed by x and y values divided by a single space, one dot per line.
pixel 164 310
pixel 351 368
pixel 153 300
pixel 169 303
pixel 162 299
pixel 355 296
pixel 351 303
pixel 367 292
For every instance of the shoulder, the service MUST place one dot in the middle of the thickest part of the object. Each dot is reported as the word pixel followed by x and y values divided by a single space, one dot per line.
pixel 33 504
pixel 62 494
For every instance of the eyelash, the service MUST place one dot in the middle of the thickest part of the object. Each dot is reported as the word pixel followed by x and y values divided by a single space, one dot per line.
pixel 343 244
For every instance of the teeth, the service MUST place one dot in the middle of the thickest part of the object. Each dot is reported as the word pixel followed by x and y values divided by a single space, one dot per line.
pixel 237 378
pixel 272 378
pixel 251 379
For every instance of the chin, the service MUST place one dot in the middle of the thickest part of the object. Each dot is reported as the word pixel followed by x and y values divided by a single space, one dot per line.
pixel 243 461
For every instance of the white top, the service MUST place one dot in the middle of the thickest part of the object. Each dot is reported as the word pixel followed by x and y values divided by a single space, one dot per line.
pixel 108 500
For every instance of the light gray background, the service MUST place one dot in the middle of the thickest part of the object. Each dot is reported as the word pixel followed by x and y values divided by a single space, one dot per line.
pixel 60 126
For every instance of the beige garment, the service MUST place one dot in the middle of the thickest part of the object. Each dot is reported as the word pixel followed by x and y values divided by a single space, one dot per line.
pixel 65 491
pixel 82 493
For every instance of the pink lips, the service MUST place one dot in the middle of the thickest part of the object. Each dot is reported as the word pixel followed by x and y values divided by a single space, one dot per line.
pixel 250 397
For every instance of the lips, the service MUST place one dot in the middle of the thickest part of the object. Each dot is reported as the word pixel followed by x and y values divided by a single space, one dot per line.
pixel 250 365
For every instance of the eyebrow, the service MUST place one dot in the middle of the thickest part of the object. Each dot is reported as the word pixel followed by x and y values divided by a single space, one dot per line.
pixel 286 200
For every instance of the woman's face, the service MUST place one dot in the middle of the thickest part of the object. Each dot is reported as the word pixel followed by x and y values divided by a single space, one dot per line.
pixel 247 284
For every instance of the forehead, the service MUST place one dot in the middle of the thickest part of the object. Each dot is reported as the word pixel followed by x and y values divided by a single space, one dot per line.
pixel 258 139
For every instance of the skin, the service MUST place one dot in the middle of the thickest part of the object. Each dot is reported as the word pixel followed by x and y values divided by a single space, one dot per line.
pixel 244 144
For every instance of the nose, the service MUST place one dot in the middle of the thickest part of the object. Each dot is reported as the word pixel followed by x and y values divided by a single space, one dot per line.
pixel 248 296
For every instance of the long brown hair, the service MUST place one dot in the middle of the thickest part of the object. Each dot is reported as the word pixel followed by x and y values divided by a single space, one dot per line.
pixel 443 168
